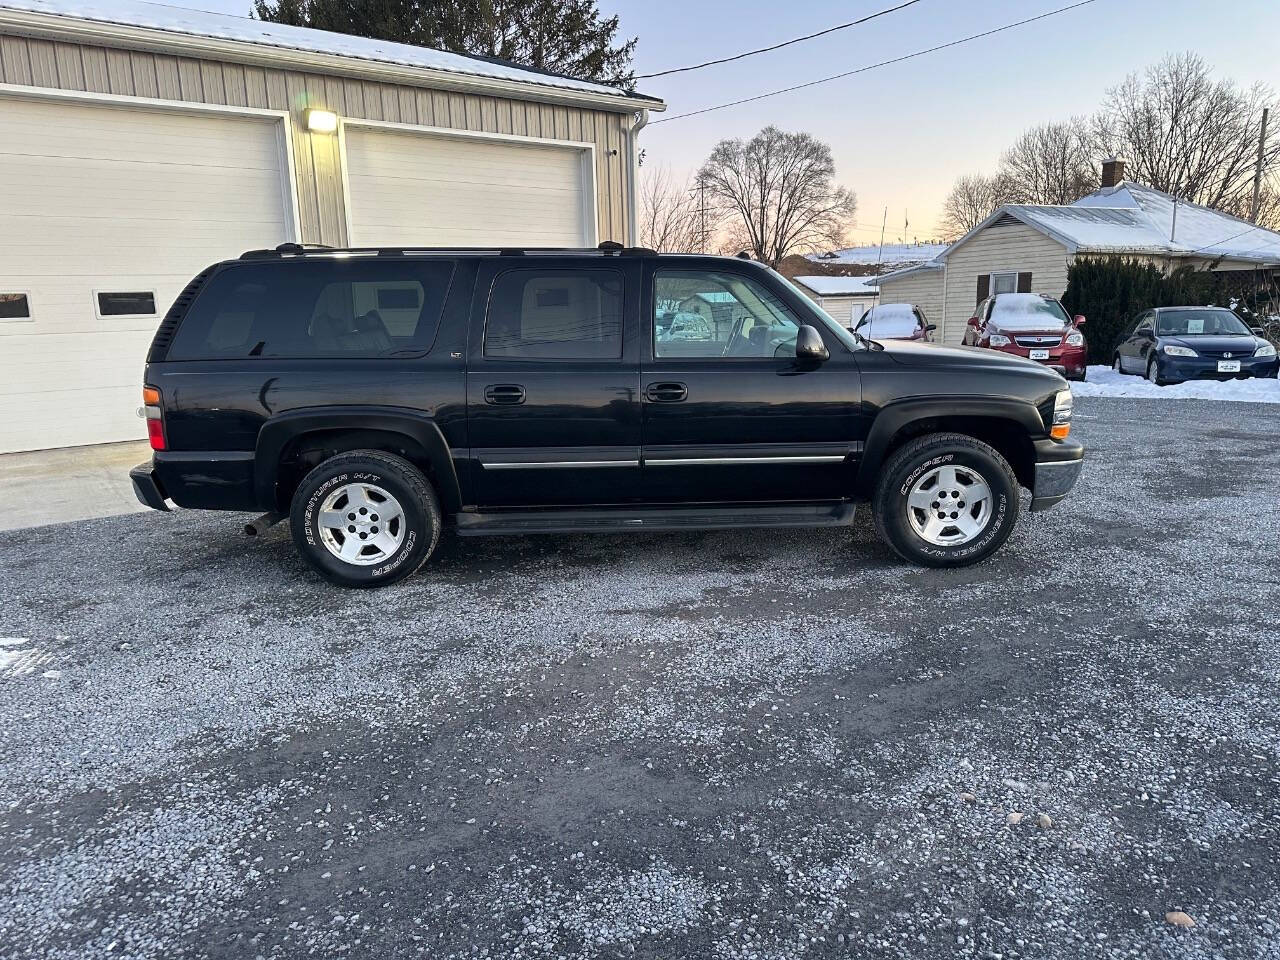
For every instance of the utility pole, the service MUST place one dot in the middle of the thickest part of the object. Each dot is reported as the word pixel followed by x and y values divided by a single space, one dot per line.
pixel 880 253
pixel 1257 173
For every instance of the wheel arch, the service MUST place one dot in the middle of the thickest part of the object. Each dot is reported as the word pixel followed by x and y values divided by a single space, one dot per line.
pixel 292 443
pixel 1010 426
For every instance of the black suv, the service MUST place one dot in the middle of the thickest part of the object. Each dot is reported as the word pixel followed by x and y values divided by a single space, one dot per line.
pixel 376 396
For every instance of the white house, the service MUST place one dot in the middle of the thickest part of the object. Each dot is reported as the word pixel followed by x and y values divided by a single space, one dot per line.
pixel 844 298
pixel 1029 248
pixel 140 142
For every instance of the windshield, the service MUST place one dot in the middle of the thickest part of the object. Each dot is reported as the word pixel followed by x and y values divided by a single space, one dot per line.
pixel 821 316
pixel 889 320
pixel 1027 311
pixel 1199 323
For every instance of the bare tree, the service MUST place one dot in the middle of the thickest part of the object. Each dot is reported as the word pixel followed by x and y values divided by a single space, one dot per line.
pixel 1183 132
pixel 1051 164
pixel 672 217
pixel 972 198
pixel 779 187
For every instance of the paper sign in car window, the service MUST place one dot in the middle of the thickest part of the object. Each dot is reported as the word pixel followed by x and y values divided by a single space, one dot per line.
pixel 1195 325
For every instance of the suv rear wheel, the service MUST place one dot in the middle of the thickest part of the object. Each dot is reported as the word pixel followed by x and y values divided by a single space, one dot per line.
pixel 946 500
pixel 365 519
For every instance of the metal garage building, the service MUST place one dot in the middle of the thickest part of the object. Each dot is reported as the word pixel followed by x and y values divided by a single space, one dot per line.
pixel 141 142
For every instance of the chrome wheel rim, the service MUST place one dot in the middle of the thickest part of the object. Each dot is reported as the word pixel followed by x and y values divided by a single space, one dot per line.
pixel 949 506
pixel 1115 365
pixel 1152 371
pixel 361 524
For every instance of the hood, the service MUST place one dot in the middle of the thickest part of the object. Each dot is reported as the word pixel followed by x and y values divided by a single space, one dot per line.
pixel 915 353
pixel 1243 343
pixel 1048 330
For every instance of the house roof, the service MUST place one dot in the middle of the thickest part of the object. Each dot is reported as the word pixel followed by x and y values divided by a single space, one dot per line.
pixel 220 33
pixel 838 286
pixel 905 271
pixel 1132 218
pixel 889 253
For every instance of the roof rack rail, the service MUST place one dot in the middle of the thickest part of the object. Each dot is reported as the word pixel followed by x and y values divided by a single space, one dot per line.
pixel 609 248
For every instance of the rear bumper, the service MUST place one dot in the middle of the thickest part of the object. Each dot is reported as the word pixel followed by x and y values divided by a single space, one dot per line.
pixel 1058 466
pixel 199 480
pixel 147 488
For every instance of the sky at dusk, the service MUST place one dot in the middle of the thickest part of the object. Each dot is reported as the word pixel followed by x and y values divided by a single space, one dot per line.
pixel 901 134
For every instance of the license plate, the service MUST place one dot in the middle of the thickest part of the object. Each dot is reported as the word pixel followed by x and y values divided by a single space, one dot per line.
pixel 1228 366
pixel 1044 355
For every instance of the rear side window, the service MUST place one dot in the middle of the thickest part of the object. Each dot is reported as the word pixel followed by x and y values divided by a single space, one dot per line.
pixel 555 315
pixel 316 308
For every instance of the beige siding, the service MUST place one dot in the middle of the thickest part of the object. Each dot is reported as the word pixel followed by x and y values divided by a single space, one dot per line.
pixel 67 66
pixel 845 310
pixel 1007 249
pixel 923 288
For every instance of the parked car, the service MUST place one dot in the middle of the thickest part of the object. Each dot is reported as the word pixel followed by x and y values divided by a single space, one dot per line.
pixel 1172 344
pixel 895 321
pixel 1032 326
pixel 376 397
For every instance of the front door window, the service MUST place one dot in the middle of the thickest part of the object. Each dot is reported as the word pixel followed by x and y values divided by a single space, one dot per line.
pixel 704 315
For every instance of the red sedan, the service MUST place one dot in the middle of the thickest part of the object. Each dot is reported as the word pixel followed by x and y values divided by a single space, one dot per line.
pixel 1033 326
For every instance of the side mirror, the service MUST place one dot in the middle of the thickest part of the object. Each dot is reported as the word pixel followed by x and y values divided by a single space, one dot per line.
pixel 1079 320
pixel 809 345
pixel 975 322
pixel 930 327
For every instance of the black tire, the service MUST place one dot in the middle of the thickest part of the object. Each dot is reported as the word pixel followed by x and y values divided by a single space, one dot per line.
pixel 907 465
pixel 392 474
pixel 1116 366
pixel 1084 374
pixel 1153 373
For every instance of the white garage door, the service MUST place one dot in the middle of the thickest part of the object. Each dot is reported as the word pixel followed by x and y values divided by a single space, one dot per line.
pixel 105 213
pixel 409 188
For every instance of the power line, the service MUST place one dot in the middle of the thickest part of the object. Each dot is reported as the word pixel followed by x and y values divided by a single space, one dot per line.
pixel 776 46
pixel 873 66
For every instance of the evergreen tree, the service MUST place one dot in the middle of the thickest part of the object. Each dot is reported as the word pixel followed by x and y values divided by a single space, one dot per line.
pixel 561 36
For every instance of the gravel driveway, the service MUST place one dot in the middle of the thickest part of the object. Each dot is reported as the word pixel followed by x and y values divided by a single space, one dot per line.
pixel 717 745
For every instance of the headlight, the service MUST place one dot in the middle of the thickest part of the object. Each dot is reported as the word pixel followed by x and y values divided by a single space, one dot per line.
pixel 1266 350
pixel 1062 404
pixel 1175 351
pixel 1075 339
pixel 997 340
pixel 1060 429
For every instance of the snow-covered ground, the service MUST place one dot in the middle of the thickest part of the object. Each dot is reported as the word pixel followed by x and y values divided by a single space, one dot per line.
pixel 1105 382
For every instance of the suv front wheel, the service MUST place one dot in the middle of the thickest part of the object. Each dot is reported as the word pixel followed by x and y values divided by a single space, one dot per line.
pixel 365 519
pixel 946 500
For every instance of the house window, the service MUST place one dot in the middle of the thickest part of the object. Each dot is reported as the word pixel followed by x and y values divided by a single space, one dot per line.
pixel 1004 283
pixel 127 304
pixel 15 306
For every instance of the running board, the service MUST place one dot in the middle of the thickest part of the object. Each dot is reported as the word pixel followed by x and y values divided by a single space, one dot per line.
pixel 836 513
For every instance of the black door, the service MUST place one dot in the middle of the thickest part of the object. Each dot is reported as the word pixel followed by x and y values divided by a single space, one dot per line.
pixel 730 415
pixel 553 409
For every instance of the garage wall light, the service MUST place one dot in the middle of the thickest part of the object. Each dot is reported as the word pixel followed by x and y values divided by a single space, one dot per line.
pixel 322 121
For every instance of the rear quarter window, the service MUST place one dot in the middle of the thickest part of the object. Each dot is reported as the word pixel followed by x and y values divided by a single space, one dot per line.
pixel 317 308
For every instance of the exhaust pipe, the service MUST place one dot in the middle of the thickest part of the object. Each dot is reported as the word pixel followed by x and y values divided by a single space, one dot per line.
pixel 256 528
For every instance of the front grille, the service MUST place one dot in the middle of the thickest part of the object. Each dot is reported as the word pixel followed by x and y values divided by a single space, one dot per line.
pixel 1037 342
pixel 169 325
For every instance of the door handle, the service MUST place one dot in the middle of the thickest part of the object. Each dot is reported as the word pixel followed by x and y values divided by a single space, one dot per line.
pixel 666 392
pixel 504 393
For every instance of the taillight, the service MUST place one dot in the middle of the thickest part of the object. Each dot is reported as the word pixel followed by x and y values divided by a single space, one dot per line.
pixel 155 417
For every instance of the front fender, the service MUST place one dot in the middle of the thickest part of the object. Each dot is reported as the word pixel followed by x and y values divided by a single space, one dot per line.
pixel 899 414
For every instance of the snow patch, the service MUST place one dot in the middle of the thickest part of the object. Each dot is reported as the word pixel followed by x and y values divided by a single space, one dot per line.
pixel 1105 382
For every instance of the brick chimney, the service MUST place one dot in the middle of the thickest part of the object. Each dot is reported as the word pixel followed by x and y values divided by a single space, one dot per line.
pixel 1112 171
